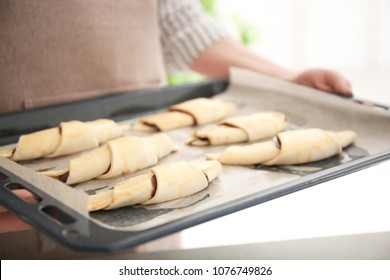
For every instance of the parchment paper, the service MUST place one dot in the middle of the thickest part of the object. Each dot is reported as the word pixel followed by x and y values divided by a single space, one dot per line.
pixel 252 92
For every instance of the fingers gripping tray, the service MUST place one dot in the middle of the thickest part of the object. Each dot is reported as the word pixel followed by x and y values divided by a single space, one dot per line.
pixel 61 212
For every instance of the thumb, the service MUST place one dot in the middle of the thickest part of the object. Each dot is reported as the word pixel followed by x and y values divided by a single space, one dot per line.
pixel 339 84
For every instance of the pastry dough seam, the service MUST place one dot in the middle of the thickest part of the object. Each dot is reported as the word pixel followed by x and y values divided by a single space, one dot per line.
pixel 154 183
pixel 207 178
pixel 195 122
pixel 151 125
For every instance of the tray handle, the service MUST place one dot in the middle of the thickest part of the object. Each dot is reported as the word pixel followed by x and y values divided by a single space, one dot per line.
pixel 373 105
pixel 41 211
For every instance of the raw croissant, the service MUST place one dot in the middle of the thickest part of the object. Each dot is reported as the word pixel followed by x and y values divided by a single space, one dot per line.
pixel 70 137
pixel 197 111
pixel 162 183
pixel 119 156
pixel 290 147
pixel 241 129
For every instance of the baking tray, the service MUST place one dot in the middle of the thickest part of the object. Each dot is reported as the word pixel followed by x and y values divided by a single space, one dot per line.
pixel 237 188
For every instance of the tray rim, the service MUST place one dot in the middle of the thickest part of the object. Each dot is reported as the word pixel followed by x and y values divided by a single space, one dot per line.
pixel 120 240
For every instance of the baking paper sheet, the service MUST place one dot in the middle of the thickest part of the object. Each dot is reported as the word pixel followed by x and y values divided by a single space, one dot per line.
pixel 252 92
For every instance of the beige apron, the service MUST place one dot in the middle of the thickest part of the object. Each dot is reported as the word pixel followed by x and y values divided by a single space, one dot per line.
pixel 59 51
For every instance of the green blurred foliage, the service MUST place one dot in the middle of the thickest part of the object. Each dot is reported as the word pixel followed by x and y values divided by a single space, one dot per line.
pixel 247 32
pixel 184 78
pixel 209 7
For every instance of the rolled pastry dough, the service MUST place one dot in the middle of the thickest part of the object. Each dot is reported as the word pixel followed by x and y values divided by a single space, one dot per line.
pixel 70 137
pixel 289 147
pixel 162 183
pixel 241 129
pixel 119 156
pixel 197 111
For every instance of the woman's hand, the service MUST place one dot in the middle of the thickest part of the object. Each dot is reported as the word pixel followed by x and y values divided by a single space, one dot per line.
pixel 8 221
pixel 326 80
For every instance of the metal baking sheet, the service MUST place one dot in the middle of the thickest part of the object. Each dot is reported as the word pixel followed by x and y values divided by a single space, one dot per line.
pixel 237 187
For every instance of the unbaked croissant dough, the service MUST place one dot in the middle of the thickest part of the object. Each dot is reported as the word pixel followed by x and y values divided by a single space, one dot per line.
pixel 117 157
pixel 241 129
pixel 163 183
pixel 289 147
pixel 193 112
pixel 70 137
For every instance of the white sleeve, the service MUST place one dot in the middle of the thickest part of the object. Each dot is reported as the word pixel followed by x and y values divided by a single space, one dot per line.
pixel 186 30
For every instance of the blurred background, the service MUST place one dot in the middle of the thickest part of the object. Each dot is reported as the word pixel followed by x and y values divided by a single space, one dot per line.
pixel 350 36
